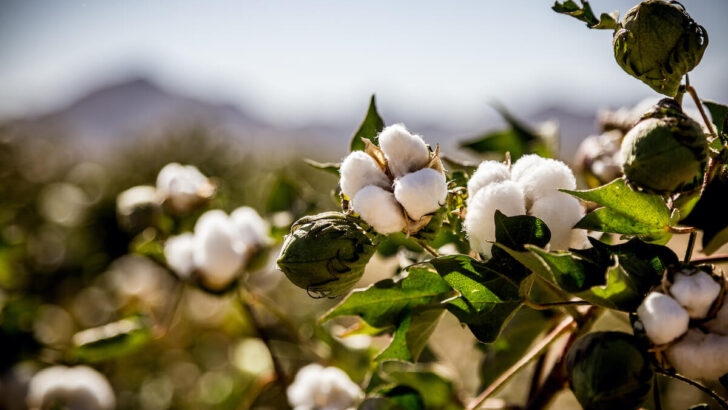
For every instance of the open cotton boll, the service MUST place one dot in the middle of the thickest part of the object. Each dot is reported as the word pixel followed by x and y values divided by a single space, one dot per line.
pixel 323 388
pixel 218 250
pixel 695 292
pixel 252 229
pixel 663 318
pixel 379 209
pixel 74 388
pixel 539 176
pixel 700 355
pixel 359 170
pixel 506 197
pixel 488 172
pixel 560 212
pixel 179 252
pixel 405 152
pixel 421 192
pixel 579 239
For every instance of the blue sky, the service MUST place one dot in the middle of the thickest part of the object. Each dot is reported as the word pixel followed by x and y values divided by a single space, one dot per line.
pixel 298 61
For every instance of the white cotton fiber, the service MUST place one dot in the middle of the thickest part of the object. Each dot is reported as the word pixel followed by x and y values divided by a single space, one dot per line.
pixel 539 176
pixel 695 292
pixel 663 318
pixel 218 250
pixel 700 355
pixel 560 212
pixel 488 172
pixel 379 209
pixel 179 252
pixel 79 387
pixel 421 192
pixel 506 197
pixel 252 229
pixel 325 388
pixel 359 170
pixel 405 152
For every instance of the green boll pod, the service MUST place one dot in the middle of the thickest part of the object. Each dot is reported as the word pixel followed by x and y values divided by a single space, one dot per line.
pixel 666 151
pixel 607 370
pixel 326 254
pixel 658 43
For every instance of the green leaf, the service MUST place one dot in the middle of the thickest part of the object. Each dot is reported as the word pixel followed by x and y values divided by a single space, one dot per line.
pixel 330 167
pixel 283 195
pixel 412 334
pixel 625 211
pixel 386 302
pixel 585 14
pixel 111 340
pixel 394 398
pixel 437 392
pixel 369 128
pixel 487 298
pixel 719 115
pixel 710 215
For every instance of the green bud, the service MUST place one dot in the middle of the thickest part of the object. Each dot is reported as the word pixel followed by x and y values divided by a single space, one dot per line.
pixel 659 43
pixel 666 151
pixel 326 254
pixel 607 370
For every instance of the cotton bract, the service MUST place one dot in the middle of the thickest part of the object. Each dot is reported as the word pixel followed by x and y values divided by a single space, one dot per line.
pixel 530 187
pixel 663 318
pixel 74 388
pixel 183 187
pixel 695 292
pixel 323 388
pixel 396 186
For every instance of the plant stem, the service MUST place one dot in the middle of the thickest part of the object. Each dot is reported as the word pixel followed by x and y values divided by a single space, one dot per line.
pixel 551 305
pixel 656 394
pixel 559 294
pixel 171 309
pixel 428 248
pixel 699 104
pixel 691 245
pixel 248 311
pixel 711 259
pixel 563 327
pixel 715 396
pixel 681 229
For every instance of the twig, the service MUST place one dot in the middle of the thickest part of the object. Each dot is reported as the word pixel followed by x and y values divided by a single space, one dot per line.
pixel 711 130
pixel 563 327
pixel 248 311
pixel 722 258
pixel 656 394
pixel 691 245
pixel 715 396
pixel 543 306
pixel 427 247
pixel 170 312
pixel 559 294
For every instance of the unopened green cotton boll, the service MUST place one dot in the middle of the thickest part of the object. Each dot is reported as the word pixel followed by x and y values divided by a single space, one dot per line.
pixel 658 43
pixel 326 254
pixel 665 151
pixel 608 370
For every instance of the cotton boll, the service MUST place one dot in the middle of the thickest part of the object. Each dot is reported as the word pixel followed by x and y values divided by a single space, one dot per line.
pixel 421 192
pixel 179 252
pixel 506 197
pixel 252 229
pixel 539 176
pixel 74 388
pixel 695 292
pixel 404 152
pixel 359 170
pixel 663 318
pixel 218 253
pixel 488 172
pixel 700 355
pixel 323 388
pixel 560 212
pixel 719 324
pixel 579 239
pixel 183 186
pixel 379 209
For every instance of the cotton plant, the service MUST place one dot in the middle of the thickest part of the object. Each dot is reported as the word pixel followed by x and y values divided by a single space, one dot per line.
pixel 73 388
pixel 323 388
pixel 183 187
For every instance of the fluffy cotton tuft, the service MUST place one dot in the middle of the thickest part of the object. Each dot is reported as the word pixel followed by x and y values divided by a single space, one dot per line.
pixel 359 170
pixel 421 192
pixel 700 355
pixel 695 292
pixel 663 318
pixel 379 209
pixel 488 172
pixel 183 186
pixel 323 388
pixel 561 212
pixel 539 176
pixel 79 387
pixel 506 197
pixel 134 197
pixel 252 229
pixel 218 250
pixel 179 252
pixel 405 152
